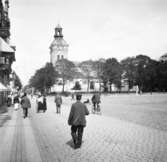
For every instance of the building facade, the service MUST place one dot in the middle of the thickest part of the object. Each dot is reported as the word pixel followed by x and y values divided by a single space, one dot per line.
pixel 59 47
pixel 7 52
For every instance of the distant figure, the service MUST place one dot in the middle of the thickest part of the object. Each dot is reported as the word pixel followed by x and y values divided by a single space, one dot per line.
pixel 96 101
pixel 58 101
pixel 9 100
pixel 39 103
pixel 44 103
pixel 77 120
pixel 16 102
pixel 25 103
pixel 72 96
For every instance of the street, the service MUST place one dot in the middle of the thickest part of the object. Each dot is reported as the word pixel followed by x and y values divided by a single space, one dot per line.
pixel 132 128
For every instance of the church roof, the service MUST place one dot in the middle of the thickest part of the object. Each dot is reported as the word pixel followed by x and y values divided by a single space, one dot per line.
pixel 4 47
pixel 59 42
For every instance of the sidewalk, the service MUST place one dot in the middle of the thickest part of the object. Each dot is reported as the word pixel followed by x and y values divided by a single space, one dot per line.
pixel 45 137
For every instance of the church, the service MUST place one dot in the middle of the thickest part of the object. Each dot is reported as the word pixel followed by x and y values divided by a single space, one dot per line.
pixel 59 47
pixel 59 50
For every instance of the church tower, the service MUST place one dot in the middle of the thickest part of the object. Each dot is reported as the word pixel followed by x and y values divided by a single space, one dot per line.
pixel 59 47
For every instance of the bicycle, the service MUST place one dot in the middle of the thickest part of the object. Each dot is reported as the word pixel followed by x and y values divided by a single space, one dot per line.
pixel 98 109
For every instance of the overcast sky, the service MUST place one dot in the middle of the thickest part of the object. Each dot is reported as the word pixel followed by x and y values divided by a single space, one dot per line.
pixel 93 29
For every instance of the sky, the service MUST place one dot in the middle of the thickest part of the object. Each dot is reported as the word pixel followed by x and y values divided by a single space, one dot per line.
pixel 93 29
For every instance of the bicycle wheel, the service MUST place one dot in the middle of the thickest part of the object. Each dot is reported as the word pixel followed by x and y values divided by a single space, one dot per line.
pixel 98 109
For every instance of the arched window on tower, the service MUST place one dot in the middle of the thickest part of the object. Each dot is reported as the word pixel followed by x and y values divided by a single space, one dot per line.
pixel 58 57
pixel 62 57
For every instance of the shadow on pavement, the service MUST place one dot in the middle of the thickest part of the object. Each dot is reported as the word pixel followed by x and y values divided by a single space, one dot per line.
pixel 70 143
pixel 4 116
pixel 4 120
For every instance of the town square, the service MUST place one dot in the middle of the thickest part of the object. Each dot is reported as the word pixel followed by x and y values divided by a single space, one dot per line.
pixel 83 81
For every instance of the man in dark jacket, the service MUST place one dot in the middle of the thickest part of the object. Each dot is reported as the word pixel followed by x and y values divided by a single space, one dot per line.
pixel 77 120
pixel 25 103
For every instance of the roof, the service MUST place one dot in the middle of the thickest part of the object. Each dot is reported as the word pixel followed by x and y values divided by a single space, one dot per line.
pixel 59 42
pixel 3 88
pixel 4 47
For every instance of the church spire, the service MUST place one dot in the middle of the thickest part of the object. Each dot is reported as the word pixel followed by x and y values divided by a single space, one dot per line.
pixel 58 32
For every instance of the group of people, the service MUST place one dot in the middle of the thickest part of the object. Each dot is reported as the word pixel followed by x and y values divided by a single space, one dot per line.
pixel 19 100
pixel 41 103
pixel 76 118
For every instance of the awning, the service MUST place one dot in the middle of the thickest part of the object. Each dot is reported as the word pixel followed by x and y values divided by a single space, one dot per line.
pixel 4 47
pixel 3 88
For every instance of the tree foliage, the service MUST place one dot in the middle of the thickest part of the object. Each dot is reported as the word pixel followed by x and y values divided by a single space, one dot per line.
pixel 86 68
pixel 66 70
pixel 44 78
pixel 17 82
pixel 128 71
pixel 112 73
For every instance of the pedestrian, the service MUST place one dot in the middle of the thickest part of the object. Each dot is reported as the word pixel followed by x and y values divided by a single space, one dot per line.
pixel 72 96
pixel 16 102
pixel 25 103
pixel 77 120
pixel 9 100
pixel 39 103
pixel 96 101
pixel 58 101
pixel 44 103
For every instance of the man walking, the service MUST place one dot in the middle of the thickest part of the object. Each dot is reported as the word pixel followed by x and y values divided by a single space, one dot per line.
pixel 77 120
pixel 58 101
pixel 25 103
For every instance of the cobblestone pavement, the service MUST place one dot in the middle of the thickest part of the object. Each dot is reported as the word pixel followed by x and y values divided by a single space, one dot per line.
pixel 146 109
pixel 45 137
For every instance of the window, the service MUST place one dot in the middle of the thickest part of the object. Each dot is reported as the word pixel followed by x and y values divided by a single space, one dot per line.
pixel 62 56
pixel 2 60
pixel 58 57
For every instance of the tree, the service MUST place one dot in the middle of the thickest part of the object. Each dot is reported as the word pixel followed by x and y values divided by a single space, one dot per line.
pixel 151 76
pixel 162 75
pixel 17 81
pixel 112 73
pixel 128 66
pixel 98 67
pixel 163 58
pixel 66 70
pixel 86 67
pixel 141 62
pixel 44 78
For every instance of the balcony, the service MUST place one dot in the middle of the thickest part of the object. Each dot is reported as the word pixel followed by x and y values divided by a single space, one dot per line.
pixel 4 33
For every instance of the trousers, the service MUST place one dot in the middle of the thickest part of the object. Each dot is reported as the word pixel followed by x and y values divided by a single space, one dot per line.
pixel 77 133
pixel 25 112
